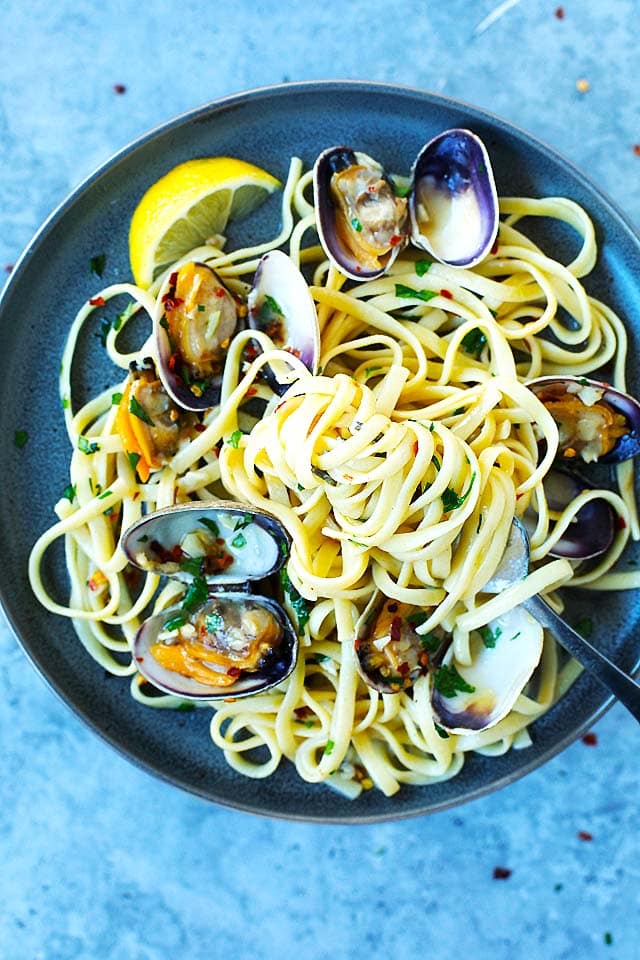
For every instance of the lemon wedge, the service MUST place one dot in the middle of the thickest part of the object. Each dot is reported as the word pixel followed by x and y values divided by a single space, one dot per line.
pixel 192 202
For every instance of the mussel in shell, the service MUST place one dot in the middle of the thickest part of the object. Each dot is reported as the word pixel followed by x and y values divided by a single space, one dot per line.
pixel 195 320
pixel 362 224
pixel 150 424
pixel 222 639
pixel 453 203
pixel 390 654
pixel 595 421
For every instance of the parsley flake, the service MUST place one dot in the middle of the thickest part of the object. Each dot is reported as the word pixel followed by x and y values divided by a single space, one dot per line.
pixel 134 459
pixel 234 439
pixel 408 293
pixel 422 266
pixel 211 525
pixel 20 438
pixel 139 411
pixel 357 226
pixel 97 264
pixel 239 541
pixel 489 636
pixel 452 501
pixel 298 602
pixel 243 522
pixel 474 342
pixel 115 399
pixel 174 623
pixel 447 681
pixel 195 595
pixel 328 750
pixel 69 492
pixel 87 447
pixel 192 565
pixel 441 731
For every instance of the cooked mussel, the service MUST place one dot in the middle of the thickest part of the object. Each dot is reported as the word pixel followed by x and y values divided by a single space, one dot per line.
pixel 504 654
pixel 148 421
pixel 280 305
pixel 595 421
pixel 196 317
pixel 593 529
pixel 390 654
pixel 453 204
pixel 362 224
pixel 221 640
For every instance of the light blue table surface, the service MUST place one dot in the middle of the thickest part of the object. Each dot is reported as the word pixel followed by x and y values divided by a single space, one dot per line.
pixel 100 860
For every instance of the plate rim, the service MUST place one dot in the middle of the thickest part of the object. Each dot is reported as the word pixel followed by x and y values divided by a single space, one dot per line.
pixel 76 192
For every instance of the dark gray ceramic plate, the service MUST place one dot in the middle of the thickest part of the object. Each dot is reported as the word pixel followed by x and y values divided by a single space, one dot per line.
pixel 53 279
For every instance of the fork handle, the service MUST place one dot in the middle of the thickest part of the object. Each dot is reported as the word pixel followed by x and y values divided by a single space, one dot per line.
pixel 613 678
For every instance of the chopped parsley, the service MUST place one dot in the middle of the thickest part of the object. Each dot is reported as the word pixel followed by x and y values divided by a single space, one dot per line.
pixel 134 459
pixel 201 308
pixel 415 619
pixel 435 462
pixel 103 496
pixel 69 492
pixel 489 636
pixel 357 226
pixel 234 439
pixel 192 565
pixel 298 602
pixel 87 447
pixel 422 266
pixel 186 706
pixel 213 622
pixel 174 623
pixel 139 411
pixel 328 750
pixel 452 501
pixel 441 731
pixel 103 332
pixel 273 305
pixel 97 264
pixel 401 190
pixel 115 399
pixel 584 627
pixel 608 938
pixel 474 342
pixel 20 438
pixel 447 681
pixel 408 293
pixel 369 370
pixel 195 595
pixel 239 541
pixel 211 525
pixel 243 521
pixel 458 411
pixel 65 403
pixel 430 642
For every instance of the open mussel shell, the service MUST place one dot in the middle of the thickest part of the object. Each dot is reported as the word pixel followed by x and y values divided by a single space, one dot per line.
pixel 595 421
pixel 592 532
pixel 221 541
pixel 195 319
pixel 453 202
pixel 223 651
pixel 281 306
pixel 504 655
pixel 361 223
pixel 390 655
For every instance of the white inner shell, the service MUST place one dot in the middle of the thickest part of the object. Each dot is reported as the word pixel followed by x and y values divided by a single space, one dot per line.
pixel 498 673
pixel 452 224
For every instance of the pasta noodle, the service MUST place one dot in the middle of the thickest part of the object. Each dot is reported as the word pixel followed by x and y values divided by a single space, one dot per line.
pixel 398 466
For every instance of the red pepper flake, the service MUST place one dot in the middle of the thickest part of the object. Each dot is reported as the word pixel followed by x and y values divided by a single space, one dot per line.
pixel 302 712
pixel 173 279
pixel 395 240
pixel 170 303
pixel 621 523
pixel 173 359
pixel 97 301
pixel 136 495
pixel 396 629
pixel 199 427
pixel 494 248
pixel 220 292
pixel 358 268
pixel 403 669
pixel 251 392
pixel 560 13
pixel 584 835
pixel 590 739
pixel 140 659
pixel 446 294
pixel 636 150
pixel 119 88
pixel 233 672
pixel 8 267
pixel 415 448
pixel 501 873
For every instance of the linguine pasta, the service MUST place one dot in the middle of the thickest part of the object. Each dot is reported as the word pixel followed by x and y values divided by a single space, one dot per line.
pixel 399 466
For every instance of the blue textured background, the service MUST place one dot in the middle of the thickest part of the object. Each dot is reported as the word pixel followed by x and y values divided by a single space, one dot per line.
pixel 99 860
